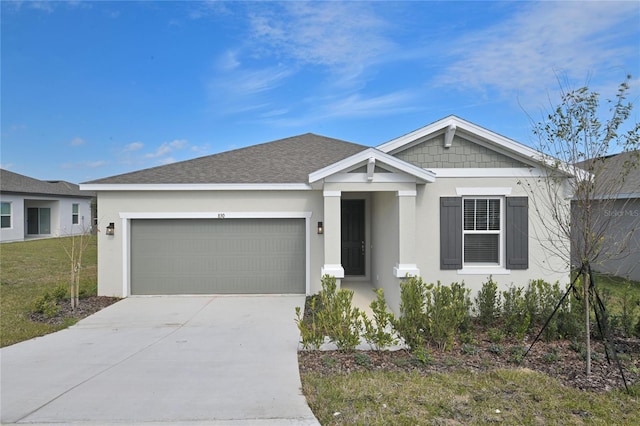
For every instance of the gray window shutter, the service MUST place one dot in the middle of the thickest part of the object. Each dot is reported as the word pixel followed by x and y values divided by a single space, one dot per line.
pixel 451 233
pixel 517 218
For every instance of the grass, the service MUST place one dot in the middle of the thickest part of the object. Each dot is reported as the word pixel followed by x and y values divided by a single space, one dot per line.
pixel 30 268
pixel 517 396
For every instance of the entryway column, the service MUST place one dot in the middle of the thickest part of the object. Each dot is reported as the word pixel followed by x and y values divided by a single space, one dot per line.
pixel 406 264
pixel 332 241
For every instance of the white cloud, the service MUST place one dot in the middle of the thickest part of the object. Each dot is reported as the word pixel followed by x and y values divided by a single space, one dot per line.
pixel 85 165
pixel 7 166
pixel 167 160
pixel 133 146
pixel 77 141
pixel 526 53
pixel 167 148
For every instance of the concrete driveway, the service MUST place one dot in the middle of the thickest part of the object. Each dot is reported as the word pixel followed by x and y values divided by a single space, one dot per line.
pixel 163 360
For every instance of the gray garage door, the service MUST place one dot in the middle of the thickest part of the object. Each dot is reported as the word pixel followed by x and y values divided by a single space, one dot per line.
pixel 209 256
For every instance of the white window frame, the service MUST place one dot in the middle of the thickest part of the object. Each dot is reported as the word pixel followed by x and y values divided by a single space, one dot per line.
pixel 10 215
pixel 500 233
pixel 75 217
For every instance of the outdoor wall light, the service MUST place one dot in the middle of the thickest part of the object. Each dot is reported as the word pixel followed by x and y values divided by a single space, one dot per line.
pixel 111 228
pixel 320 228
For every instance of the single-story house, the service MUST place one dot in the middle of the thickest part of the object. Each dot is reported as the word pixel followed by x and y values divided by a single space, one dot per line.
pixel 33 208
pixel 443 202
pixel 618 213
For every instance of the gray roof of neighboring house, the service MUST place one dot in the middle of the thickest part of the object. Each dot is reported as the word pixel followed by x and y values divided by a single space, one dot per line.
pixel 288 160
pixel 11 182
pixel 610 169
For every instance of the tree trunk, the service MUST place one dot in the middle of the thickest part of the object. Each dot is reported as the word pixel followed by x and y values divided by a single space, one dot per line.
pixel 587 326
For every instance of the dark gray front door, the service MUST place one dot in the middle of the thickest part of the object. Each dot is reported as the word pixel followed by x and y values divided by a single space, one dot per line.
pixel 353 243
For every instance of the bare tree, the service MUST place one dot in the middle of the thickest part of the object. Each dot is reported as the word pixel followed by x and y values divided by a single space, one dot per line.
pixel 75 252
pixel 577 147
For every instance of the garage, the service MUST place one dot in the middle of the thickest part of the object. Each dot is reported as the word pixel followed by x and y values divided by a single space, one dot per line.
pixel 217 256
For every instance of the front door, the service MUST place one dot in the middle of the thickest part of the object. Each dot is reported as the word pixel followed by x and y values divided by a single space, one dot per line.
pixel 353 243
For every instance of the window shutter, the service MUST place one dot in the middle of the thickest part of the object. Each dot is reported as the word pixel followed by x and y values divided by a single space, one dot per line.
pixel 517 232
pixel 451 233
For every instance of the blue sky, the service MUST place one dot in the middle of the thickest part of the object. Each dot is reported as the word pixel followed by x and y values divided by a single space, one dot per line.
pixel 94 89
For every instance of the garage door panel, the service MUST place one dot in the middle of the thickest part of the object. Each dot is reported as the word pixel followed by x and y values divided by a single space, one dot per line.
pixel 208 256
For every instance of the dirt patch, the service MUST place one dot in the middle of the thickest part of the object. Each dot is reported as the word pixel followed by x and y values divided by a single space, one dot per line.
pixel 87 306
pixel 560 359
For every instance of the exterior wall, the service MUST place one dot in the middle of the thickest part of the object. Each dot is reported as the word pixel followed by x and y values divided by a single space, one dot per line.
pixel 542 263
pixel 385 246
pixel 111 205
pixel 61 216
pixel 17 230
pixel 622 218
pixel 432 154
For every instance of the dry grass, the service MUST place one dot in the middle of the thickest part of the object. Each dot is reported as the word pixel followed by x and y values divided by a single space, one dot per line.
pixel 511 396
pixel 27 270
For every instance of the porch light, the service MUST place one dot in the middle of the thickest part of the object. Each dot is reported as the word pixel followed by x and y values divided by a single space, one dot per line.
pixel 111 228
pixel 320 228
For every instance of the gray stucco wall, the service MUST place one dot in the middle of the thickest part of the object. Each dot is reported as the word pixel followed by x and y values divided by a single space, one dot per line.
pixel 432 154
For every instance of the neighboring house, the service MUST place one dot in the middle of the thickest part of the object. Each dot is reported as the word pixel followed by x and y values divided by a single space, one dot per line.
pixel 443 202
pixel 619 214
pixel 33 208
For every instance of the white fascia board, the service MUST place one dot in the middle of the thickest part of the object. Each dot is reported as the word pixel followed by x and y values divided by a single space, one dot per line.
pixel 377 178
pixel 364 156
pixel 215 215
pixel 195 187
pixel 483 191
pixel 494 140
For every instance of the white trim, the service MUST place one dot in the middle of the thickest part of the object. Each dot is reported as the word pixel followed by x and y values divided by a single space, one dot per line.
pixel 331 193
pixel 377 178
pixel 483 191
pixel 489 172
pixel 195 187
pixel 401 270
pixel 364 157
pixel 407 193
pixel 335 270
pixel 126 234
pixel 215 215
pixel 485 271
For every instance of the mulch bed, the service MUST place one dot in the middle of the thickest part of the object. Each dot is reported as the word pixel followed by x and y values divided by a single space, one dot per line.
pixel 87 306
pixel 557 359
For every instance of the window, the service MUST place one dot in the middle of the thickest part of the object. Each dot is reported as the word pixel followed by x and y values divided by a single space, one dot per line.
pixel 490 231
pixel 5 215
pixel 74 214
pixel 482 232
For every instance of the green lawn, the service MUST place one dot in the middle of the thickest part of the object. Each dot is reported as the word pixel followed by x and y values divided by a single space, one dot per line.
pixel 27 270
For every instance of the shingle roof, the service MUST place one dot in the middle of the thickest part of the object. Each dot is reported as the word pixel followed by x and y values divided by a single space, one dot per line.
pixel 288 160
pixel 11 182
pixel 609 171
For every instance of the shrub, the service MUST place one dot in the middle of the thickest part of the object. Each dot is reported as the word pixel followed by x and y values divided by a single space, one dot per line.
pixel 516 316
pixel 339 320
pixel 630 307
pixel 413 320
pixel 48 303
pixel 447 309
pixel 487 303
pixel 379 333
pixel 495 335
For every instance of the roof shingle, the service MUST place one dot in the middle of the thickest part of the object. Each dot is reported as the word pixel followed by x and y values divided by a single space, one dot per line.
pixel 11 182
pixel 288 160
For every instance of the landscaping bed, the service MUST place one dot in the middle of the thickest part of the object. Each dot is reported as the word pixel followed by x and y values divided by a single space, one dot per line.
pixel 87 306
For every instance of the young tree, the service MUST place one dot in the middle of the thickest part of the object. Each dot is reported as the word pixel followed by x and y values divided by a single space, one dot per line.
pixel 75 249
pixel 577 145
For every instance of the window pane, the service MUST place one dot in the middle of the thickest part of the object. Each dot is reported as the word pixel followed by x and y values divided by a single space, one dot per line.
pixel 494 215
pixel 5 221
pixel 6 208
pixel 74 208
pixel 481 215
pixel 469 214
pixel 481 248
pixel 45 221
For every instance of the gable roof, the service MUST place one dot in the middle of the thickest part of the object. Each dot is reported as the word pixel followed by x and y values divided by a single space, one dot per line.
pixel 607 174
pixel 284 161
pixel 455 125
pixel 16 183
pixel 372 155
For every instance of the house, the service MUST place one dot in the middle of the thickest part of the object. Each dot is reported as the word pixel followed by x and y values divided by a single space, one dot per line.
pixel 443 202
pixel 33 208
pixel 618 213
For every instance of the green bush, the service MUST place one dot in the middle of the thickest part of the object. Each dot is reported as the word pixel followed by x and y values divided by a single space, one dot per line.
pixel 447 310
pixel 515 314
pixel 338 318
pixel 413 320
pixel 487 303
pixel 379 332
pixel 48 303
